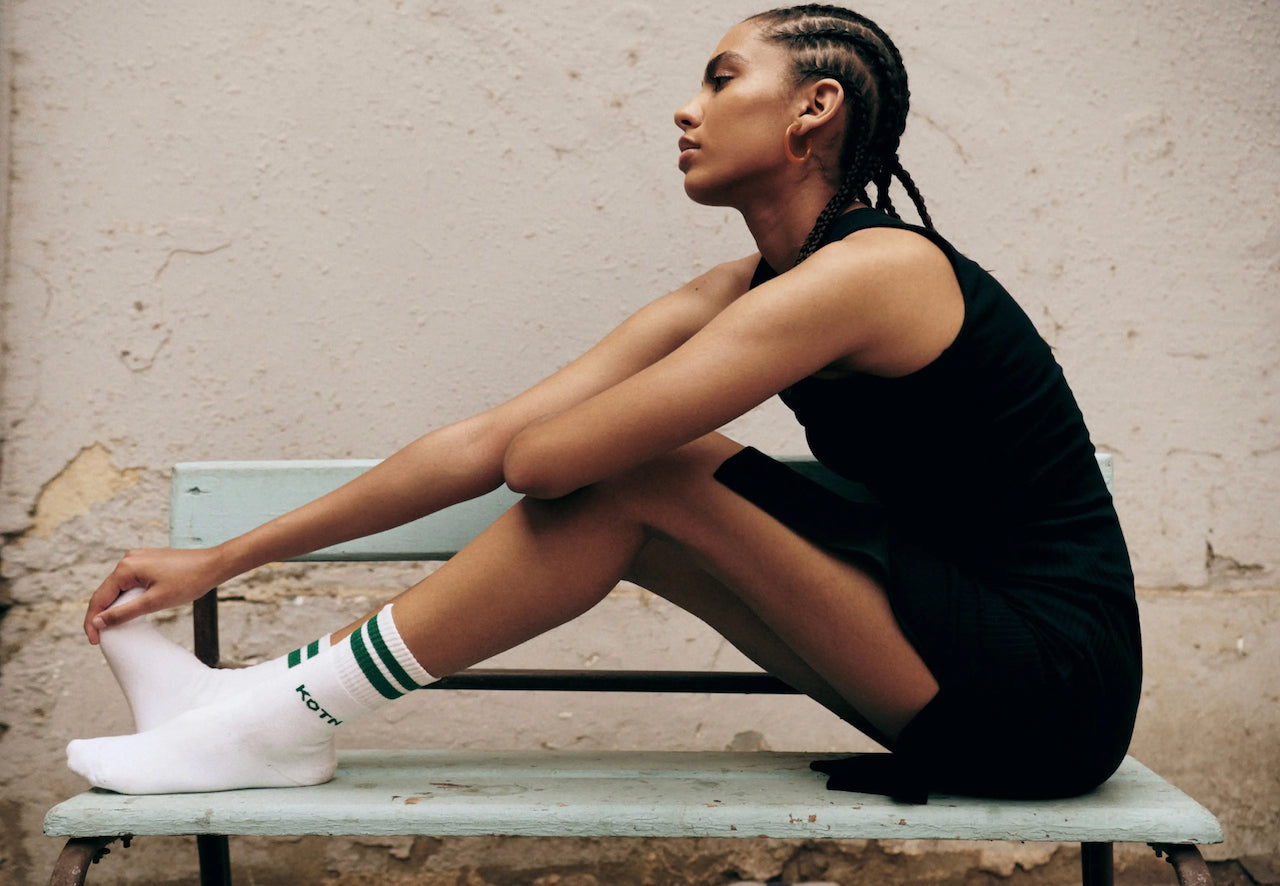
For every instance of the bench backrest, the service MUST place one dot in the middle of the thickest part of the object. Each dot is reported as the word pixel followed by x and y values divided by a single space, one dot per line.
pixel 211 502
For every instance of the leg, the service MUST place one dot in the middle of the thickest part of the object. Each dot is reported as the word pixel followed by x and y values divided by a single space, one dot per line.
pixel 72 866
pixel 836 635
pixel 539 565
pixel 1096 864
pixel 545 562
pixel 1188 864
pixel 215 859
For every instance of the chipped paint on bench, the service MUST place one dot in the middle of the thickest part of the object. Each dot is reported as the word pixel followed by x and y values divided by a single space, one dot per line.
pixel 632 794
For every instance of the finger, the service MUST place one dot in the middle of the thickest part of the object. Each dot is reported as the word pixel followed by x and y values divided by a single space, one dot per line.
pixel 128 610
pixel 102 598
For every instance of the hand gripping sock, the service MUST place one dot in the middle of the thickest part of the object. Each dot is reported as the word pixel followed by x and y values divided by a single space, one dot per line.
pixel 277 733
pixel 161 679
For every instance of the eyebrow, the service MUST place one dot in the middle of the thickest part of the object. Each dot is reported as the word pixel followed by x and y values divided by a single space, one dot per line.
pixel 727 56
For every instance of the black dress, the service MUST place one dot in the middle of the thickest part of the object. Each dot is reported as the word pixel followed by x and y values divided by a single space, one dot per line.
pixel 971 491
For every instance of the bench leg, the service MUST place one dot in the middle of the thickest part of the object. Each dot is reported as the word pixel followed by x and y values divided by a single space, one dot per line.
pixel 215 860
pixel 1096 866
pixel 73 863
pixel 1187 863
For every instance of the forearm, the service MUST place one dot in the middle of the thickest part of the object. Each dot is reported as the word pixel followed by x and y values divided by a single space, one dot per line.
pixel 445 467
pixel 452 464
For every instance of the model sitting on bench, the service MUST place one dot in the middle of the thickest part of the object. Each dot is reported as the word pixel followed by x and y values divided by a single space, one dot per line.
pixel 985 631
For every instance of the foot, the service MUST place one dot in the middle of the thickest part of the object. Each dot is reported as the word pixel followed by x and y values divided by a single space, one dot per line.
pixel 162 680
pixel 275 733
pixel 242 742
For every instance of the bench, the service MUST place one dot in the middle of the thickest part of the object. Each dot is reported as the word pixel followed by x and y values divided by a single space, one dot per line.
pixel 566 794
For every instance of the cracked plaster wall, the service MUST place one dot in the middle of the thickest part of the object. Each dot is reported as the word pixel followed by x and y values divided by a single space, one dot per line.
pixel 239 230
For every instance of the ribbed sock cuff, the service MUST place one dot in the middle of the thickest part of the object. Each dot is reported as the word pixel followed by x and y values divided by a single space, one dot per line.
pixel 415 675
pixel 380 667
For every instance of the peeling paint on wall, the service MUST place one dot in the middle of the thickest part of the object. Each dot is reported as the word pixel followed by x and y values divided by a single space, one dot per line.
pixel 87 479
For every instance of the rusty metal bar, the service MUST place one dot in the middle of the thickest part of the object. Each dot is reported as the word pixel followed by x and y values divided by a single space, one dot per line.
pixel 1097 866
pixel 213 849
pixel 741 682
pixel 73 863
pixel 1188 863
pixel 204 623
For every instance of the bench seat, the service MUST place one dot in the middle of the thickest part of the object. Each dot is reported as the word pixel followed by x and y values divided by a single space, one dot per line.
pixel 631 794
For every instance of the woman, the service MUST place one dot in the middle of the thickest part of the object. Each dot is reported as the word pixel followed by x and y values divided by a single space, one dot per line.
pixel 974 612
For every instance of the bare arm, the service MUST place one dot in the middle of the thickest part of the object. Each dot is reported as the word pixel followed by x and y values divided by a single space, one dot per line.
pixel 880 301
pixel 446 466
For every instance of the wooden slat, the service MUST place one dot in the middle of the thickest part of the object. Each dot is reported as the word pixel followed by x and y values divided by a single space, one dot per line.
pixel 634 794
pixel 211 502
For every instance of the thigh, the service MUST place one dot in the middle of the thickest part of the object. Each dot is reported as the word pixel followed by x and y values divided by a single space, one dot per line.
pixel 666 568
pixel 833 615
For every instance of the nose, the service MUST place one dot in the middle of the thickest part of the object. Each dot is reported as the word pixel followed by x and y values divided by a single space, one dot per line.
pixel 688 116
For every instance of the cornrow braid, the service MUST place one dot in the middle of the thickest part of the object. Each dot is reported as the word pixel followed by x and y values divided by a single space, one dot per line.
pixel 861 119
pixel 837 43
pixel 894 166
pixel 892 97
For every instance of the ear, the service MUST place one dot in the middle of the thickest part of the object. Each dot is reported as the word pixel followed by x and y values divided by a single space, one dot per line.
pixel 823 101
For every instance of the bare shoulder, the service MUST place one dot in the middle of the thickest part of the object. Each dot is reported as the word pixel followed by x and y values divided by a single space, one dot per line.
pixel 889 255
pixel 907 296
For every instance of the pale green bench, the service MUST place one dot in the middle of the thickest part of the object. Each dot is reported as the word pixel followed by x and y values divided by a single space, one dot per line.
pixel 572 794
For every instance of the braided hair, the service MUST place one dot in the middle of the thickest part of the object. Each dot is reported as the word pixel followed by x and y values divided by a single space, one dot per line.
pixel 836 43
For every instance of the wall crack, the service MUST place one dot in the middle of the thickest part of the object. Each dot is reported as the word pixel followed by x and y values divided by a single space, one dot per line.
pixel 184 251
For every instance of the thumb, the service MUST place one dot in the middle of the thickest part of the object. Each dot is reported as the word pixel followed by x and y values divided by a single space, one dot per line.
pixel 128 606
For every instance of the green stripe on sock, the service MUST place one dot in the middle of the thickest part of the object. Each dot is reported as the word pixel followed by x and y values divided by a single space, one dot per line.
pixel 295 658
pixel 393 666
pixel 313 649
pixel 369 668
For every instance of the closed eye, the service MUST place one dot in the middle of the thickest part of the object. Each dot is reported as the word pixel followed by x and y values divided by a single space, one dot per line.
pixel 718 80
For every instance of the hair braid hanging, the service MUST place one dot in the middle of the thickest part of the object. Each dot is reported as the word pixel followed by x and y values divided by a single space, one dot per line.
pixel 896 167
pixel 909 185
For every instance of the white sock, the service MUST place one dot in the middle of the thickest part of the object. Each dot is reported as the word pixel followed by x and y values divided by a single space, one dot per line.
pixel 278 733
pixel 161 679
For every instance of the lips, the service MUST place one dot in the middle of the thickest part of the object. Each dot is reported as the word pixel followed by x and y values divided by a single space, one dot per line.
pixel 687 147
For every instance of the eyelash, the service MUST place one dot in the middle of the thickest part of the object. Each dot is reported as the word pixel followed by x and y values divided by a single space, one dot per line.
pixel 718 83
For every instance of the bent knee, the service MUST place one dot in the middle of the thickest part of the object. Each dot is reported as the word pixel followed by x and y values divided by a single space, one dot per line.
pixel 677 470
pixel 675 482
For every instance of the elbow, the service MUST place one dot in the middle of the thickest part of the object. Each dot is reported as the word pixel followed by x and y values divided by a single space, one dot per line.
pixel 528 469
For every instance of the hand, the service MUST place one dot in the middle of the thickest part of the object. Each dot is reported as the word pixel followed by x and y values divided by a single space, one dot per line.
pixel 168 576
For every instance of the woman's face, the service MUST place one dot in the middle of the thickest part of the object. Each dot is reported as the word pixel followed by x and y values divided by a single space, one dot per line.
pixel 736 126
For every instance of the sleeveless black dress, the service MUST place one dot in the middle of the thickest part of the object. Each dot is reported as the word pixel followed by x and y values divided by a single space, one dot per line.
pixel 971 491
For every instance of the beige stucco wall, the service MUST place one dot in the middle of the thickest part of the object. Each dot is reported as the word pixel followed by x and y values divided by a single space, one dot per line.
pixel 316 229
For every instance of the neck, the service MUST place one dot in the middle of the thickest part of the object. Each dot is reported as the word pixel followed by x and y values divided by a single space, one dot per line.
pixel 780 225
